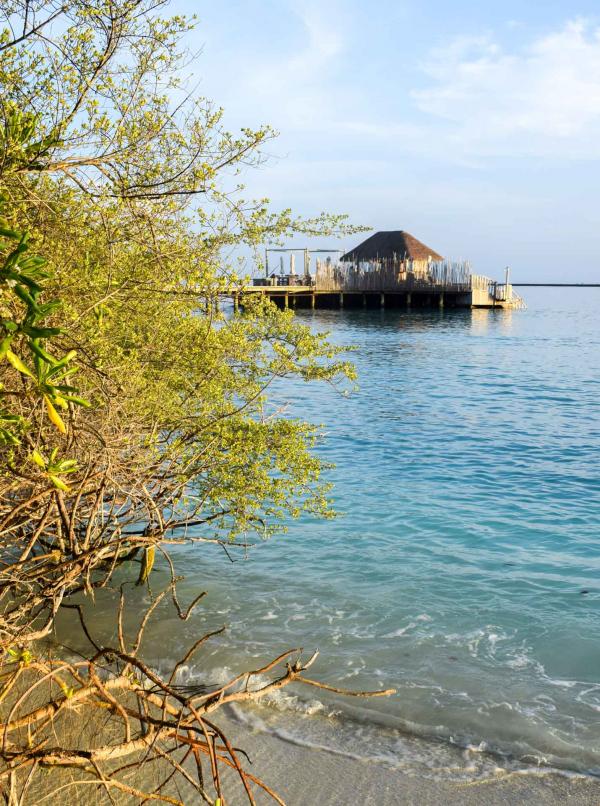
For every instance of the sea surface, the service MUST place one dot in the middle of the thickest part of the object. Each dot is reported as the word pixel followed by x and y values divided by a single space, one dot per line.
pixel 464 570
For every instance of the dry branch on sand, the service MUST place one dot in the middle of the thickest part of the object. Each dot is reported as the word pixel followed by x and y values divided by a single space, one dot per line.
pixel 144 737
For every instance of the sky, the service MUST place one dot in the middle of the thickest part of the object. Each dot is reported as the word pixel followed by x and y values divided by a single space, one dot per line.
pixel 474 126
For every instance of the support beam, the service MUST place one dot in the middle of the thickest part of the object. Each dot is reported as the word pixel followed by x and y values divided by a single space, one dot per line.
pixel 313 298
pixel 408 300
pixel 441 300
pixel 341 300
pixel 286 300
pixel 382 299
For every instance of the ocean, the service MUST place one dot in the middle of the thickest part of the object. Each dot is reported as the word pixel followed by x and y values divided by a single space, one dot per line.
pixel 464 568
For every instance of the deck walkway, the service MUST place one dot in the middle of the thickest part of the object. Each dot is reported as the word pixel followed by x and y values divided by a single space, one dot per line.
pixel 387 284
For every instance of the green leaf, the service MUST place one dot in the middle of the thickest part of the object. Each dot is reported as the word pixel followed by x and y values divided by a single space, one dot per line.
pixel 65 360
pixel 42 332
pixel 13 234
pixel 78 400
pixel 41 353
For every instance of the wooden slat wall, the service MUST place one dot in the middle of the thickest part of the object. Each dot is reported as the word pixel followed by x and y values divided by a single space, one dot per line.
pixel 395 275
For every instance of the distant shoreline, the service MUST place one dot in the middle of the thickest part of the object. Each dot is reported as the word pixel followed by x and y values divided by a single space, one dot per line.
pixel 556 285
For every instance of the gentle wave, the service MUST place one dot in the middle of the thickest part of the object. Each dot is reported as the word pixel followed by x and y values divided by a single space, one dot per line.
pixel 464 571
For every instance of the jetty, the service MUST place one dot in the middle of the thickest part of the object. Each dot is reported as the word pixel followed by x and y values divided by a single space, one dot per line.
pixel 389 269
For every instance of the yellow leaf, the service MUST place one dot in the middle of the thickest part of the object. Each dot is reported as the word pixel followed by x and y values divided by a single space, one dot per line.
pixel 55 416
pixel 37 457
pixel 58 483
pixel 18 364
pixel 147 563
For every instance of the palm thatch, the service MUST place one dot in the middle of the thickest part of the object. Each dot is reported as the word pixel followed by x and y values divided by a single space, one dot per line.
pixel 391 244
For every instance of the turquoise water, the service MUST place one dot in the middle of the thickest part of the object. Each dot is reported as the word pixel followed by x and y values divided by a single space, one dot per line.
pixel 465 569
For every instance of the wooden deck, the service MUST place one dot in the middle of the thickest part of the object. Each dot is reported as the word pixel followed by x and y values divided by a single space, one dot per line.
pixel 307 296
pixel 386 283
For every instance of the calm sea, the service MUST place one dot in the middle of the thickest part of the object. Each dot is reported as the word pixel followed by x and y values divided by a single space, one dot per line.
pixel 465 568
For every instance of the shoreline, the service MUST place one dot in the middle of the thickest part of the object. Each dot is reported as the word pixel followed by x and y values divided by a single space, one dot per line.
pixel 303 775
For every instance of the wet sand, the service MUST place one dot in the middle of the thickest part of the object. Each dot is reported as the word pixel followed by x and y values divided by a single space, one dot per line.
pixel 304 776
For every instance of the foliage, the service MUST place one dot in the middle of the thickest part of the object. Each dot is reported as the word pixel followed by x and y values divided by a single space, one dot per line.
pixel 134 414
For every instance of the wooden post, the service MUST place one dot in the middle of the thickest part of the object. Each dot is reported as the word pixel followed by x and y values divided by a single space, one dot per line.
pixel 236 302
pixel 408 300
pixel 382 299
pixel 286 300
pixel 312 300
pixel 293 301
pixel 441 300
pixel 341 300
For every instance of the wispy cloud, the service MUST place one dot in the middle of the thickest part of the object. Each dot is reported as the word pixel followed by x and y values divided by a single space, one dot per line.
pixel 425 130
pixel 477 97
pixel 543 100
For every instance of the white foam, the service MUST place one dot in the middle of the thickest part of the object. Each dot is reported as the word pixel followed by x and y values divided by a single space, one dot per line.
pixel 402 631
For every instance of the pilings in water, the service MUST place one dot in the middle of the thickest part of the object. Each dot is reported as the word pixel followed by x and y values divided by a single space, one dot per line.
pixel 312 299
pixel 425 297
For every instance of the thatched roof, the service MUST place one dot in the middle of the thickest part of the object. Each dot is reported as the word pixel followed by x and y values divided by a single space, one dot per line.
pixel 389 244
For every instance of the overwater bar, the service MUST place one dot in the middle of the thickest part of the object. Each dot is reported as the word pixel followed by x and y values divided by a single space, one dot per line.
pixel 389 269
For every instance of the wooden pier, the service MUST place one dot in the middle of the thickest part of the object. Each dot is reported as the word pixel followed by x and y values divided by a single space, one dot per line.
pixel 387 284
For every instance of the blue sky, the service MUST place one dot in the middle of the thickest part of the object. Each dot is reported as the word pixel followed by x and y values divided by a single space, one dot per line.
pixel 475 126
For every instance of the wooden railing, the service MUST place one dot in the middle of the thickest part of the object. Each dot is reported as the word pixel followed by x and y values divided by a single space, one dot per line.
pixel 284 280
pixel 479 282
pixel 394 275
pixel 502 292
pixel 385 276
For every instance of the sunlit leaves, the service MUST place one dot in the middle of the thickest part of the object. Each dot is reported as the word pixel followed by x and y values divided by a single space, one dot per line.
pixel 22 276
pixel 55 467
pixel 128 189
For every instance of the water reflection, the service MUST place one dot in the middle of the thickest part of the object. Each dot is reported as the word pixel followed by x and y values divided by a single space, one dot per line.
pixel 390 319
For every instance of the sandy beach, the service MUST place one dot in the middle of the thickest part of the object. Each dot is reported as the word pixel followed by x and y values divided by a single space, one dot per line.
pixel 304 776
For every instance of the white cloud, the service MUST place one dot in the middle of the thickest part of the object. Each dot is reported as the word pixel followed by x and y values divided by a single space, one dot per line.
pixel 479 99
pixel 543 100
pixel 472 99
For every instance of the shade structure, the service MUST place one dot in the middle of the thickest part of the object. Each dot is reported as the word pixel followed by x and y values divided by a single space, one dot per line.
pixel 391 244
